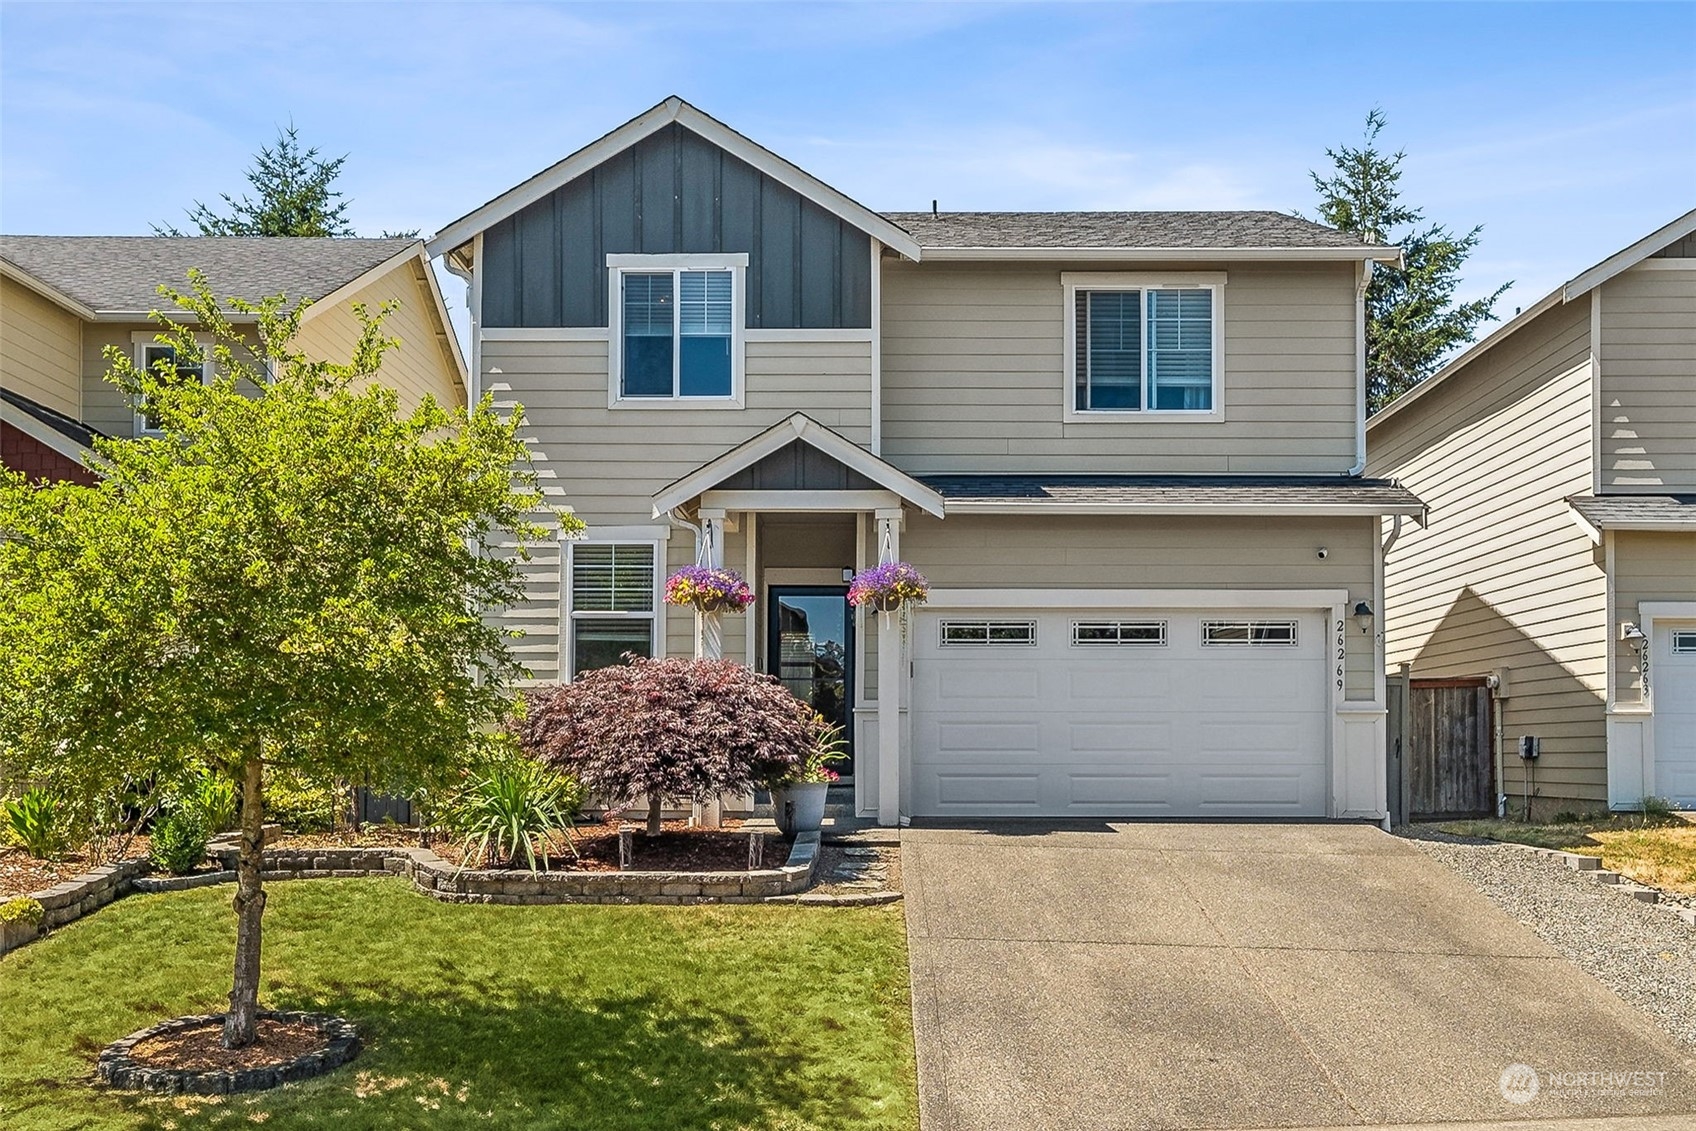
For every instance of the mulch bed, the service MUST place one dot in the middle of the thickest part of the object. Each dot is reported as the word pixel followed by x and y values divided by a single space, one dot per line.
pixel 22 874
pixel 199 1049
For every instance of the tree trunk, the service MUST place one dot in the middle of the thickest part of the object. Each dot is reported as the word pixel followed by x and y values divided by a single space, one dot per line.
pixel 655 801
pixel 241 1023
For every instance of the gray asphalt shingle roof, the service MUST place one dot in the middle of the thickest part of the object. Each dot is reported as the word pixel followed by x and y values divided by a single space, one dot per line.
pixel 1241 229
pixel 76 430
pixel 1616 510
pixel 122 274
pixel 1174 490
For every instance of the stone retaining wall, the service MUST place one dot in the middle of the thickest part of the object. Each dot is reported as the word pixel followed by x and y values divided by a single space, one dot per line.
pixel 430 874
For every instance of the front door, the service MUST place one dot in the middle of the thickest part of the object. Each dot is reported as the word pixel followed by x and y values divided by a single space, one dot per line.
pixel 810 649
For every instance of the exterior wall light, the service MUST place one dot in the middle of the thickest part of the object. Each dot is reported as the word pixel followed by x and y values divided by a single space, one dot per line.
pixel 1631 634
pixel 1363 616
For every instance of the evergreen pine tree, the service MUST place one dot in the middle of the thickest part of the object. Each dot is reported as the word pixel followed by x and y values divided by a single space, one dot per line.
pixel 294 197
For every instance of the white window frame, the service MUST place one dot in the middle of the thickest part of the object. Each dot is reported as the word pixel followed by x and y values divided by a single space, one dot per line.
pixel 1071 282
pixel 569 614
pixel 619 265
pixel 140 342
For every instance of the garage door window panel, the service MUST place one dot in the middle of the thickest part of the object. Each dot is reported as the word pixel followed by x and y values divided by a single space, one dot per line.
pixel 1248 634
pixel 1146 634
pixel 988 634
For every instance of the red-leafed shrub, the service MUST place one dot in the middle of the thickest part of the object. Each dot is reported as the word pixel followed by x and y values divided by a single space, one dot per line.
pixel 675 728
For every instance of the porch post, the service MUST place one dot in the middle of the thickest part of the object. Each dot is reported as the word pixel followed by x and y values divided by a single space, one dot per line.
pixel 891 681
pixel 709 642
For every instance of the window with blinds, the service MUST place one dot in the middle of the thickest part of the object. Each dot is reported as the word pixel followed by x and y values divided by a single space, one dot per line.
pixel 613 609
pixel 1143 349
pixel 678 331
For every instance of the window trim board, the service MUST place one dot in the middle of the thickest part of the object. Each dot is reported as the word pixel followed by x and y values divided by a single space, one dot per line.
pixel 1071 282
pixel 620 265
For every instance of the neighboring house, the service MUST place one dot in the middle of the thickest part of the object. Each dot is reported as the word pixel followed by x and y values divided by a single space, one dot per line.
pixel 1125 448
pixel 63 299
pixel 1558 456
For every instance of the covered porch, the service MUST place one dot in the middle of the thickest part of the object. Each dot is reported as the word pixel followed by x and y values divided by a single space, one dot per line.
pixel 798 510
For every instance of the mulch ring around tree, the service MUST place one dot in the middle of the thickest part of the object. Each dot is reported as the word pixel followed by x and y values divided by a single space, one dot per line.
pixel 186 1054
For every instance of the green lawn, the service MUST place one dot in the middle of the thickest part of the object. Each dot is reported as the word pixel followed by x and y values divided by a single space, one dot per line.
pixel 523 1017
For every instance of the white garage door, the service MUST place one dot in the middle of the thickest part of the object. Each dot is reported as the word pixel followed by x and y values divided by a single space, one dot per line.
pixel 1672 675
pixel 1090 713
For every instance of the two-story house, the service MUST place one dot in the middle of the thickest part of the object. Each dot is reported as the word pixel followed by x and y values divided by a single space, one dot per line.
pixel 1558 456
pixel 64 299
pixel 1126 449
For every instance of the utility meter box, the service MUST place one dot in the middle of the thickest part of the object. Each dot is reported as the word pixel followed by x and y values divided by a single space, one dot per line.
pixel 1530 746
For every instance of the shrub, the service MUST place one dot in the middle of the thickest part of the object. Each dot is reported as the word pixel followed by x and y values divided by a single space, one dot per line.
pixel 178 842
pixel 23 910
pixel 300 804
pixel 37 822
pixel 1657 809
pixel 670 728
pixel 508 806
pixel 212 796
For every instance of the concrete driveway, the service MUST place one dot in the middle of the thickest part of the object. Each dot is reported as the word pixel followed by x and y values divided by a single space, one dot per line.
pixel 1190 975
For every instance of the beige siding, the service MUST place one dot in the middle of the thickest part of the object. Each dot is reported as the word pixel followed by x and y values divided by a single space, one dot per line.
pixel 607 463
pixel 105 407
pixel 1648 566
pixel 1648 348
pixel 1086 553
pixel 972 360
pixel 40 349
pixel 422 363
pixel 1503 578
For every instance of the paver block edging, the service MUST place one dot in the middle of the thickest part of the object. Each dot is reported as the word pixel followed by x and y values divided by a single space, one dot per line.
pixel 116 1068
pixel 1591 867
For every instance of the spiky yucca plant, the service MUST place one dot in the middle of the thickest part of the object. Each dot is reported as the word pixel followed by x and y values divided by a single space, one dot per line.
pixel 511 804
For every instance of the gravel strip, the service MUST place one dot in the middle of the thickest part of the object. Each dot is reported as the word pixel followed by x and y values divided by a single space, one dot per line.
pixel 1644 954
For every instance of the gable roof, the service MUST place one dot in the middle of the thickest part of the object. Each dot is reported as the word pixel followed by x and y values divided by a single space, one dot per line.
pixel 1635 512
pixel 673 109
pixel 804 428
pixel 948 235
pixel 117 277
pixel 1577 287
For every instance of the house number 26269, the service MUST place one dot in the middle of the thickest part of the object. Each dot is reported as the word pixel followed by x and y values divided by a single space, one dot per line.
pixel 1342 653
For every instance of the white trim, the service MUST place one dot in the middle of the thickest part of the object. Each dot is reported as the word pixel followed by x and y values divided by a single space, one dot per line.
pixel 804 501
pixel 545 334
pixel 23 278
pixel 673 109
pixel 475 299
pixel 1589 529
pixel 1596 423
pixel 1671 263
pixel 751 574
pixel 1327 599
pixel 617 267
pixel 1610 607
pixel 359 282
pixel 140 342
pixel 640 533
pixel 1072 282
pixel 824 334
pixel 679 261
pixel 656 616
pixel 797 426
pixel 1631 256
pixel 43 433
pixel 1163 254
pixel 1316 510
pixel 877 347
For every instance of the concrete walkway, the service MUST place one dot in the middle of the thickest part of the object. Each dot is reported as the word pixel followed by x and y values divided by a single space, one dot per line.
pixel 1247 976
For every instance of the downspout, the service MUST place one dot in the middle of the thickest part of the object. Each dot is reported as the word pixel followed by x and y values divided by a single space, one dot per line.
pixel 1360 371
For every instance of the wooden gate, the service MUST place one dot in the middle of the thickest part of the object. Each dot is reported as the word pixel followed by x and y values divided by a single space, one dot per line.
pixel 1446 759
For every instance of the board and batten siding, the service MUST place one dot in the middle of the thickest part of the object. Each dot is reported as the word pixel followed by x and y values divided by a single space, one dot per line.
pixel 972 360
pixel 420 364
pixel 1648 351
pixel 40 349
pixel 676 193
pixel 606 463
pixel 1648 566
pixel 1503 577
pixel 1090 553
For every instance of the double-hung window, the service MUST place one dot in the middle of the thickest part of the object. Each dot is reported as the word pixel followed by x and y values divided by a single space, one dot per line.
pixel 677 327
pixel 1144 344
pixel 155 357
pixel 613 602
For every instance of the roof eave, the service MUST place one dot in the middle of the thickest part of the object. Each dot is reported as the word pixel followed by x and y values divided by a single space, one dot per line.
pixel 1166 254
pixel 46 290
pixel 1061 506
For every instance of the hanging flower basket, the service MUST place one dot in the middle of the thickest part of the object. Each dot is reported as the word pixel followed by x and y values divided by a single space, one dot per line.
pixel 708 590
pixel 888 587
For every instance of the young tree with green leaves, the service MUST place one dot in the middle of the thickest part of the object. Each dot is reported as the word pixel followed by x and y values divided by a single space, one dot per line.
pixel 294 196
pixel 1412 318
pixel 292 576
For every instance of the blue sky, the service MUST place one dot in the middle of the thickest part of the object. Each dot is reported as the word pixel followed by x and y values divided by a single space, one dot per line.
pixel 1567 130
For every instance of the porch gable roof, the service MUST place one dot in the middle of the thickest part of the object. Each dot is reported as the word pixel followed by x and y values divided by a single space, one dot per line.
pixel 859 464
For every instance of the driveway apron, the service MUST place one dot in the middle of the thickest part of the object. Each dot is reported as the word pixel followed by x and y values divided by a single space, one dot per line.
pixel 1235 975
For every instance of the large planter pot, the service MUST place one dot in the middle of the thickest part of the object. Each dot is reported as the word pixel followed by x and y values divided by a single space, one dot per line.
pixel 800 807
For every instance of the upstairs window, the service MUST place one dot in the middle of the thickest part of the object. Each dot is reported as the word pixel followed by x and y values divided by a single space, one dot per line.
pixel 677 327
pixel 1147 347
pixel 150 355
